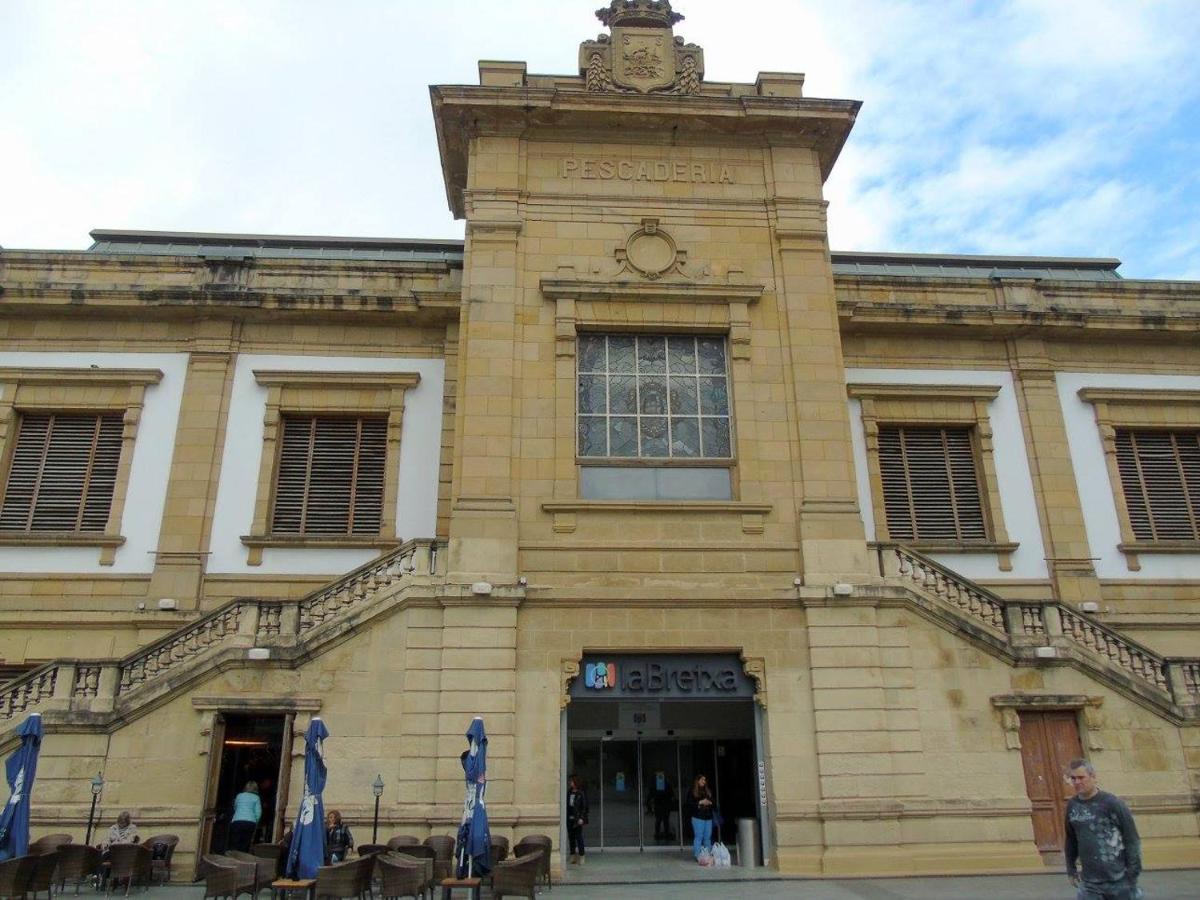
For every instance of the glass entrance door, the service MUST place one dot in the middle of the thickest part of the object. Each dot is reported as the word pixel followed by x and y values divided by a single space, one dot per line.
pixel 620 820
pixel 660 793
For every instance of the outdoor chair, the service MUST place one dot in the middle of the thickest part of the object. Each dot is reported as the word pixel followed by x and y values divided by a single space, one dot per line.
pixel 160 865
pixel 403 840
pixel 42 878
pixel 539 842
pixel 264 869
pixel 443 862
pixel 497 850
pixel 226 881
pixel 247 871
pixel 128 863
pixel 78 864
pixel 398 878
pixel 277 853
pixel 347 879
pixel 518 877
pixel 425 863
pixel 49 842
pixel 15 875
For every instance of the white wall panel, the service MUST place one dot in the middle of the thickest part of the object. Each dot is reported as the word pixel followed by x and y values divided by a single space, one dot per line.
pixel 1012 470
pixel 1096 488
pixel 420 450
pixel 148 475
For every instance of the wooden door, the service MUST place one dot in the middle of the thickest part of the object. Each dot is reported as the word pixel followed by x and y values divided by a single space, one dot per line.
pixel 208 817
pixel 1049 741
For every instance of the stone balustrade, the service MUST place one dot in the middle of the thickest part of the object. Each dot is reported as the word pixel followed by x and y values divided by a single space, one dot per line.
pixel 96 685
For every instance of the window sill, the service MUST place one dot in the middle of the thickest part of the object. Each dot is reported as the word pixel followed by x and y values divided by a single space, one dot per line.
pixel 108 543
pixel 565 511
pixel 256 543
pixel 1003 551
pixel 1134 549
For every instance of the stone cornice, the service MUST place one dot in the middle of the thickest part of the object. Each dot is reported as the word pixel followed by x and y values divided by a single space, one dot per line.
pixel 678 291
pixel 462 112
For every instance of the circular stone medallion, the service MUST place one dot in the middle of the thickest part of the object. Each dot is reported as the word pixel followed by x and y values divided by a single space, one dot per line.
pixel 651 254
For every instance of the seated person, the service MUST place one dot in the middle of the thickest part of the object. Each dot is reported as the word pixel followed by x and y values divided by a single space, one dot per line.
pixel 124 832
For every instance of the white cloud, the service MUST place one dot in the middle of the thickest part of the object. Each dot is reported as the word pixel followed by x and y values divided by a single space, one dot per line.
pixel 985 127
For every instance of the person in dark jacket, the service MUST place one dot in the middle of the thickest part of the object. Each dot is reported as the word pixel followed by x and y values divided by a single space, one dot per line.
pixel 577 817
pixel 1102 840
pixel 338 839
pixel 700 808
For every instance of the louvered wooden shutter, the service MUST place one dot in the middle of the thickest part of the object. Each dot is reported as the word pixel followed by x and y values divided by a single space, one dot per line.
pixel 1160 477
pixel 63 472
pixel 330 475
pixel 930 486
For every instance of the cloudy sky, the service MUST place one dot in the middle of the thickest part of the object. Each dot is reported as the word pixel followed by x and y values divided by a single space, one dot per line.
pixel 1052 127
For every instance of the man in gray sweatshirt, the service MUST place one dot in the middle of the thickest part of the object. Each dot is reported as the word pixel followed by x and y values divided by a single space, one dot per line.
pixel 1102 839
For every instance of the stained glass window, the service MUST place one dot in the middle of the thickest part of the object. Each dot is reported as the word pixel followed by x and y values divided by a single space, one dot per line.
pixel 653 396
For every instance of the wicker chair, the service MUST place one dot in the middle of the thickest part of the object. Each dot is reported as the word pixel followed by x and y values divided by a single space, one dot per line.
pixel 400 877
pixel 222 880
pixel 77 863
pixel 277 853
pixel 347 879
pixel 264 869
pixel 15 875
pixel 248 881
pixel 403 840
pixel 425 863
pixel 540 842
pixel 497 850
pixel 43 873
pixel 49 842
pixel 519 877
pixel 443 862
pixel 129 862
pixel 160 868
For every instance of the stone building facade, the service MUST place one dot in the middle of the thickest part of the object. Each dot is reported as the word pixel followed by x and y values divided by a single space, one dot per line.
pixel 640 472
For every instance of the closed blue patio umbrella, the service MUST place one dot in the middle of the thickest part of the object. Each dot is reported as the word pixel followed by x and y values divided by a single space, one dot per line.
pixel 20 768
pixel 473 836
pixel 307 852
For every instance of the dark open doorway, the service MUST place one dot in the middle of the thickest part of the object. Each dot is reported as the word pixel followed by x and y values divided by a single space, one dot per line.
pixel 251 749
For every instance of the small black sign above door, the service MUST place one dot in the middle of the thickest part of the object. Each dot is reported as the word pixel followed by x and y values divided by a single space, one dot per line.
pixel 660 676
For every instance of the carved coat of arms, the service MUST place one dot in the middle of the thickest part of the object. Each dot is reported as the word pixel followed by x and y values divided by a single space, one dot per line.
pixel 643 58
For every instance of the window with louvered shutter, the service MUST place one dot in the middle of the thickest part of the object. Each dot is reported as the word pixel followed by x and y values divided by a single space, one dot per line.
pixel 931 486
pixel 330 476
pixel 1160 478
pixel 63 472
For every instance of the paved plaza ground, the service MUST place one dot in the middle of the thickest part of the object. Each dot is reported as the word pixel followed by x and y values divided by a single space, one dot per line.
pixel 659 878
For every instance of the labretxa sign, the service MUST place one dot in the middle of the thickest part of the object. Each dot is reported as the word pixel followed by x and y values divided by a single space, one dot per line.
pixel 699 676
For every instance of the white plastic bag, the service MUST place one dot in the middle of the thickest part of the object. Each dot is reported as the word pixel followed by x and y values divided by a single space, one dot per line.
pixel 705 858
pixel 720 855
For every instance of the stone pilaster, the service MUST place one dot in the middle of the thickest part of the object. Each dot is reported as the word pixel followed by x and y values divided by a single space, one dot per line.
pixel 1072 574
pixel 183 543
pixel 832 538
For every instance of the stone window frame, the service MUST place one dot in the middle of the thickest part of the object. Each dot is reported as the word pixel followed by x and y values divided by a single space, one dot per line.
pixel 315 393
pixel 74 390
pixel 1139 408
pixel 660 307
pixel 937 405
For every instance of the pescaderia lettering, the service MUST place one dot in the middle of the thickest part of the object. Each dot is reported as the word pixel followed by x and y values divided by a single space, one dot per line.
pixel 645 170
pixel 657 677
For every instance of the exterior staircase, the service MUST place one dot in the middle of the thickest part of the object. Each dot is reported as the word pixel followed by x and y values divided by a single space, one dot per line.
pixel 1046 632
pixel 99 693
pixel 96 692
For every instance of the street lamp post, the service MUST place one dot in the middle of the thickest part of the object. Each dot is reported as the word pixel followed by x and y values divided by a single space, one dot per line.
pixel 97 787
pixel 377 787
